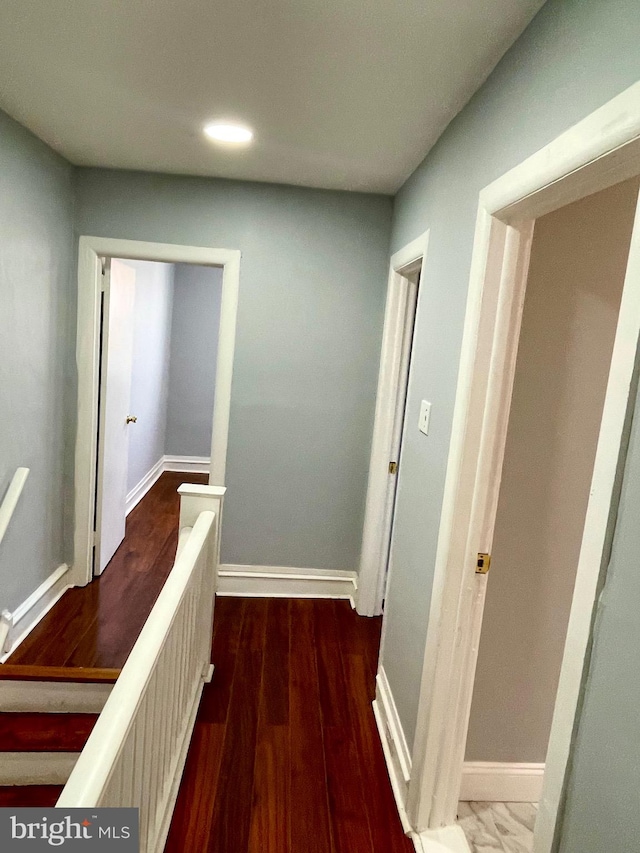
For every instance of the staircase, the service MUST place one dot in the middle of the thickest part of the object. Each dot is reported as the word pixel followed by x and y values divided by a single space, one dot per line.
pixel 46 716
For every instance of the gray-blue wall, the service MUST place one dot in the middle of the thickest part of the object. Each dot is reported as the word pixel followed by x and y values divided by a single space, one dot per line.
pixel 197 295
pixel 312 289
pixel 150 366
pixel 576 55
pixel 603 804
pixel 36 327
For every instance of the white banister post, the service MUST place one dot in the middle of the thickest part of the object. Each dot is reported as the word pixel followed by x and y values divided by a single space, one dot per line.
pixel 195 499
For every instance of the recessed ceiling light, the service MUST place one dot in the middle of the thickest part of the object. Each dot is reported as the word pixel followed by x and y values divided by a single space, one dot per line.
pixel 225 132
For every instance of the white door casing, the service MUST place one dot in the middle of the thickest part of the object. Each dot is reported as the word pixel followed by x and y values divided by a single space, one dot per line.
pixel 115 397
pixel 400 311
pixel 90 250
pixel 600 151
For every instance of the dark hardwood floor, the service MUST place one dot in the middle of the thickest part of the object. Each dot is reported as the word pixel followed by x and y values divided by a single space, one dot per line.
pixel 97 625
pixel 285 756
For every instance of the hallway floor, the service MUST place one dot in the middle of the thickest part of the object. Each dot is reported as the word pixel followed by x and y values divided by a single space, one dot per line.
pixel 97 625
pixel 498 827
pixel 285 756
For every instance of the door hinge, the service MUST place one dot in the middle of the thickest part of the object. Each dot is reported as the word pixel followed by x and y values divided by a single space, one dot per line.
pixel 483 564
pixel 393 467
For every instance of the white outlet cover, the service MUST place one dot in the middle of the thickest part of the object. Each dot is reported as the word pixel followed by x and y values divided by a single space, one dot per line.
pixel 425 415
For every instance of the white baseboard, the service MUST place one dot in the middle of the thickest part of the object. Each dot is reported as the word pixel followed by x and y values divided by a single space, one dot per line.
pixel 25 617
pixel 449 839
pixel 393 727
pixel 494 782
pixel 140 490
pixel 398 785
pixel 188 464
pixel 36 768
pixel 286 582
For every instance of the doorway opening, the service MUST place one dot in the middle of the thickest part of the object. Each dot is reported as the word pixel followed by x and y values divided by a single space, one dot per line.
pixel 101 367
pixel 601 151
pixel 405 273
pixel 574 287
pixel 159 343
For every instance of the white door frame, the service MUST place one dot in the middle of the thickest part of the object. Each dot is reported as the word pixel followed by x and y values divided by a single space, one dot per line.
pixel 600 151
pixel 91 250
pixel 401 293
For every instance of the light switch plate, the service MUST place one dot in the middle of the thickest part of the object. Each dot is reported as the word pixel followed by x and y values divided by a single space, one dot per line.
pixel 425 415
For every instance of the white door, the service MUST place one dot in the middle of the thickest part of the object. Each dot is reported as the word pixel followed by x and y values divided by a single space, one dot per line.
pixel 115 394
pixel 398 425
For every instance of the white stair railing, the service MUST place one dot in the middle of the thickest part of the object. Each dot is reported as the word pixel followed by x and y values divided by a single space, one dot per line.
pixel 7 508
pixel 136 752
pixel 11 499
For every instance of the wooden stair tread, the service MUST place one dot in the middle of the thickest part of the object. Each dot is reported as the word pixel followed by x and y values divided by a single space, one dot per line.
pixel 29 672
pixel 24 796
pixel 43 732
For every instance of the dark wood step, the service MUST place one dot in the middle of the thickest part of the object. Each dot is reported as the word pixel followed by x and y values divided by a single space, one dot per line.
pixel 28 672
pixel 25 796
pixel 37 732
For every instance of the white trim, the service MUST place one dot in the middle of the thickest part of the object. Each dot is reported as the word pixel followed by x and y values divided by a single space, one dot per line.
pixel 11 498
pixel 188 464
pixel 286 582
pixel 53 697
pixel 146 483
pixel 398 785
pixel 27 615
pixel 602 149
pixel 90 250
pixel 495 782
pixel 36 768
pixel 446 839
pixel 393 726
pixel 392 379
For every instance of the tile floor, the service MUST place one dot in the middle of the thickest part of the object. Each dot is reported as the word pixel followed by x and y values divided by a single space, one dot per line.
pixel 498 827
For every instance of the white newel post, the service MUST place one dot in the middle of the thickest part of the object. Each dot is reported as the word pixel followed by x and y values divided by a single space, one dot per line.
pixel 195 499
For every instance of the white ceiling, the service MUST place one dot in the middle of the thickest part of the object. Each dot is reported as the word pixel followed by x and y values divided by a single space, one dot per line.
pixel 346 94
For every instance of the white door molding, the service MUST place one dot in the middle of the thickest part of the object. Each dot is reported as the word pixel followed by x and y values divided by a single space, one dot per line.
pixel 90 251
pixel 392 378
pixel 600 151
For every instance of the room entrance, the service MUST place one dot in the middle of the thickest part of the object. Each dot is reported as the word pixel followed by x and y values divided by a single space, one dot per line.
pixel 571 310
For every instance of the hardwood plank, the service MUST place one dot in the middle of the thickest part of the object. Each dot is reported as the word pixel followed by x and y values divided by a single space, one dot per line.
pixel 384 821
pixel 33 732
pixel 24 796
pixel 227 626
pixel 270 830
pixel 193 814
pixel 97 625
pixel 275 682
pixel 347 792
pixel 26 672
pixel 309 802
pixel 232 813
pixel 331 683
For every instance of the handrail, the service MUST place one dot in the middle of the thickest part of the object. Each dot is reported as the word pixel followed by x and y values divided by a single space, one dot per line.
pixel 92 771
pixel 136 752
pixel 11 499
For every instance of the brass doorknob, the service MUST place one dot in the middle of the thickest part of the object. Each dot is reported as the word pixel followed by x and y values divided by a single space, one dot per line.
pixel 132 419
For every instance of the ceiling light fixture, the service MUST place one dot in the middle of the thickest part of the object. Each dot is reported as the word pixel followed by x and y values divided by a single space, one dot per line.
pixel 235 134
